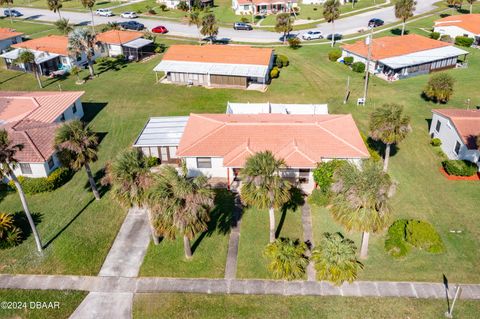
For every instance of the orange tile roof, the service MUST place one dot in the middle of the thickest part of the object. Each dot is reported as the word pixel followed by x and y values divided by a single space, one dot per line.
pixel 219 54
pixel 118 36
pixel 52 43
pixel 466 122
pixel 469 22
pixel 302 140
pixel 7 33
pixel 387 47
pixel 37 142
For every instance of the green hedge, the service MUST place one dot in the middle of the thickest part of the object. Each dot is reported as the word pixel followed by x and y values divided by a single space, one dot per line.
pixel 460 168
pixel 348 60
pixel 334 55
pixel 323 174
pixel 44 184
pixel 395 243
pixel 435 35
pixel 152 161
pixel 281 61
pixel 358 67
pixel 319 198
pixel 436 141
pixel 274 72
pixel 464 41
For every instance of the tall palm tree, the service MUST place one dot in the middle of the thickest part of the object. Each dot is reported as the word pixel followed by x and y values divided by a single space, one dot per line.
pixel 360 200
pixel 389 125
pixel 194 19
pixel 404 10
pixel 331 12
pixel 209 26
pixel 284 24
pixel 81 144
pixel 64 26
pixel 82 41
pixel 263 187
pixel 55 6
pixel 179 205
pixel 27 57
pixel 8 4
pixel 89 4
pixel 288 259
pixel 8 163
pixel 335 259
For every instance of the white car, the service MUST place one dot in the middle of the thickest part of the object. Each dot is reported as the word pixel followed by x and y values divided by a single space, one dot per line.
pixel 311 35
pixel 104 12
pixel 129 15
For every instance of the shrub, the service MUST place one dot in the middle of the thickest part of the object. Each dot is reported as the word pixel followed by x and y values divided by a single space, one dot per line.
pixel 423 236
pixel 348 60
pixel 436 141
pixel 152 11
pixel 323 174
pixel 152 161
pixel 183 6
pixel 460 167
pixel 464 41
pixel 395 244
pixel 334 55
pixel 434 35
pixel 163 7
pixel 294 43
pixel 358 67
pixel 446 38
pixel 274 72
pixel 281 60
pixel 244 19
pixel 319 198
pixel 374 155
pixel 10 235
pixel 439 87
pixel 44 184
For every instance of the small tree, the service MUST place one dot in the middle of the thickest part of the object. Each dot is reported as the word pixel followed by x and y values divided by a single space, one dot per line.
pixel 82 41
pixel 75 70
pixel 284 24
pixel 63 25
pixel 8 4
pixel 335 259
pixel 27 58
pixel 55 6
pixel 89 4
pixel 331 12
pixel 287 258
pixel 209 26
pixel 404 10
pixel 439 87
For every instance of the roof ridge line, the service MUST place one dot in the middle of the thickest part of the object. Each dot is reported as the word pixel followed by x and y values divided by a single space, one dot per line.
pixel 37 151
pixel 342 140
pixel 207 134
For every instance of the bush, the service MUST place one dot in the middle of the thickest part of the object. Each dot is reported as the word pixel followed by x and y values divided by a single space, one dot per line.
pixel 395 244
pixel 460 168
pixel 373 152
pixel 10 235
pixel 163 7
pixel 281 60
pixel 435 35
pixel 183 6
pixel 436 141
pixel 334 55
pixel 464 41
pixel 423 236
pixel 294 43
pixel 323 174
pixel 44 184
pixel 319 198
pixel 152 161
pixel 274 72
pixel 439 87
pixel 244 19
pixel 446 38
pixel 348 60
pixel 358 67
pixel 152 11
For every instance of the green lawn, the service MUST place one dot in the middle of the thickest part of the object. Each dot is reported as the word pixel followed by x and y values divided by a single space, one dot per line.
pixel 31 29
pixel 149 306
pixel 66 5
pixel 67 302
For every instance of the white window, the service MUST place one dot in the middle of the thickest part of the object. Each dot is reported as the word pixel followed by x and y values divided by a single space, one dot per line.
pixel 438 126
pixel 25 168
pixel 164 153
pixel 154 151
pixel 50 163
pixel 457 148
pixel 204 162
pixel 246 7
pixel 173 151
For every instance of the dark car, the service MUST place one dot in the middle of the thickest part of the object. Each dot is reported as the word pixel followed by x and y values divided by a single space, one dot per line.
pixel 242 26
pixel 373 23
pixel 336 36
pixel 132 25
pixel 160 29
pixel 12 13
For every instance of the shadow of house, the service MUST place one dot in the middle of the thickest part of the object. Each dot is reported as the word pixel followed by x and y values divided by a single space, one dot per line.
pixel 90 110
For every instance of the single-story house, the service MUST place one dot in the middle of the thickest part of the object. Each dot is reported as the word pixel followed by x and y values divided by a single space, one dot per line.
pixel 458 130
pixel 173 4
pixel 131 44
pixel 51 54
pixel 216 65
pixel 260 108
pixel 467 25
pixel 398 57
pixel 8 37
pixel 323 1
pixel 263 7
pixel 31 119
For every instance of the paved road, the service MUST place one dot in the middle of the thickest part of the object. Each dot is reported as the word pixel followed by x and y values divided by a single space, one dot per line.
pixel 344 26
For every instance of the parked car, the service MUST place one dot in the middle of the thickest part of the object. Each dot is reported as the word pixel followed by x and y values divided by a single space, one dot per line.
pixel 375 22
pixel 104 12
pixel 132 25
pixel 336 36
pixel 12 13
pixel 160 29
pixel 129 15
pixel 310 35
pixel 242 26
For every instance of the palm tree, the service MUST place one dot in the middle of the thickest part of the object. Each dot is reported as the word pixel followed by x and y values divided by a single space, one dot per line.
pixel 27 57
pixel 360 200
pixel 471 2
pixel 284 24
pixel 335 259
pixel 389 125
pixel 82 41
pixel 81 145
pixel 89 4
pixel 331 12
pixel 8 4
pixel 194 19
pixel 55 6
pixel 263 187
pixel 179 205
pixel 288 259
pixel 63 25
pixel 8 163
pixel 209 26
pixel 404 10
pixel 10 235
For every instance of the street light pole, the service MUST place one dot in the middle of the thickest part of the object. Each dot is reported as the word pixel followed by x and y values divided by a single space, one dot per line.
pixel 368 42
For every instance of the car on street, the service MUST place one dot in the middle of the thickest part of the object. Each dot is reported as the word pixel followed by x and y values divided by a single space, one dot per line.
pixel 132 25
pixel 160 29
pixel 242 26
pixel 375 22
pixel 12 13
pixel 311 35
pixel 104 12
pixel 129 15
pixel 336 36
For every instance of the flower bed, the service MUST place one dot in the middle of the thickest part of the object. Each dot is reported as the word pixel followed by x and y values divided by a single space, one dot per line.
pixel 475 177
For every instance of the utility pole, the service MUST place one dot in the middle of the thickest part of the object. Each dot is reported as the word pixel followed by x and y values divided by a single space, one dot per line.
pixel 368 42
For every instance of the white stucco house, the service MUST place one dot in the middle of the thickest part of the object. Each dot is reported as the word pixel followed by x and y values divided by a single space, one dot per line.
pixel 8 37
pixel 131 44
pixel 263 7
pixel 466 25
pixel 458 130
pixel 31 119
pixel 173 4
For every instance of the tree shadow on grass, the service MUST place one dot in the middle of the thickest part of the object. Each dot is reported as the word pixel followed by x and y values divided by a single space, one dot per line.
pixel 379 147
pixel 297 199
pixel 113 64
pixel 398 31
pixel 97 177
pixel 21 221
pixel 13 77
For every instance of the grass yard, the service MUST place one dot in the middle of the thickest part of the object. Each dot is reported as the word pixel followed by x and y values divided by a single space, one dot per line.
pixel 69 300
pixel 31 29
pixel 149 306
pixel 66 5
